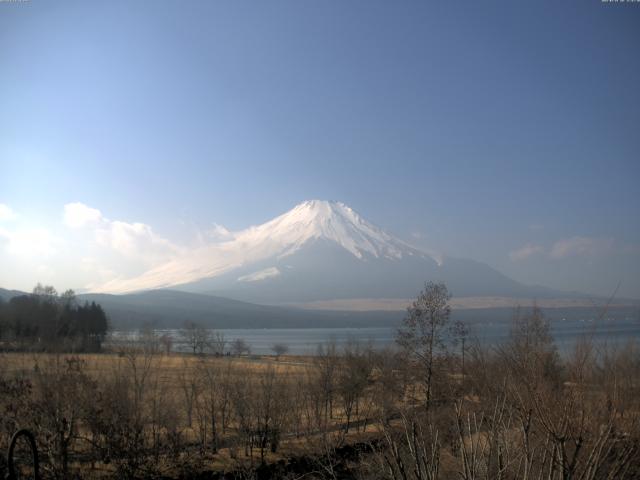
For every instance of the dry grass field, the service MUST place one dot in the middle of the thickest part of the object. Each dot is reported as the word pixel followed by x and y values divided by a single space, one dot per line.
pixel 519 411
pixel 172 365
pixel 249 398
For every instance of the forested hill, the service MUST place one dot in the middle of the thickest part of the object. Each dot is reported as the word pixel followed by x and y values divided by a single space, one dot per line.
pixel 6 295
pixel 44 320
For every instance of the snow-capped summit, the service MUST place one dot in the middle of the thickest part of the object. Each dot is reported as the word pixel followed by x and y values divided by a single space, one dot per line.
pixel 328 220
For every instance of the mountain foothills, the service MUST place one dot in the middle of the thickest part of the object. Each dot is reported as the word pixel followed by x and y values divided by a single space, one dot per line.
pixel 318 251
pixel 172 309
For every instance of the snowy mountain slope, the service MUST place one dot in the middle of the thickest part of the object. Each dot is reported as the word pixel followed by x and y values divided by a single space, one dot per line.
pixel 278 238
pixel 319 250
pixel 332 221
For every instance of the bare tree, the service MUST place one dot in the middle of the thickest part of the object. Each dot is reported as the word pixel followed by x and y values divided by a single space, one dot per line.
pixel 189 384
pixel 352 380
pixel 270 408
pixel 245 416
pixel 391 380
pixel 530 351
pixel 148 339
pixel 326 361
pixel 197 338
pixel 410 451
pixel 213 404
pixel 423 333
pixel 61 385
pixel 217 343
pixel 239 347
pixel 279 349
pixel 166 341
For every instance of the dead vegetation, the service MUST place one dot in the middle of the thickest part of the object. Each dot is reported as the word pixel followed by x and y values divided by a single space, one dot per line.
pixel 518 411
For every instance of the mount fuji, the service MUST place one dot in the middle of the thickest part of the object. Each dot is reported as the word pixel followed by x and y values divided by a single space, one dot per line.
pixel 320 251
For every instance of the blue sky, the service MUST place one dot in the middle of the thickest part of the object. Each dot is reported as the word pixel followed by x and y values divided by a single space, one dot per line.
pixel 504 131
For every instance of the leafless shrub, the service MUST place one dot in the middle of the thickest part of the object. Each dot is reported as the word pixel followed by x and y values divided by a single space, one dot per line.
pixel 279 349
pixel 240 347
pixel 60 390
pixel 410 449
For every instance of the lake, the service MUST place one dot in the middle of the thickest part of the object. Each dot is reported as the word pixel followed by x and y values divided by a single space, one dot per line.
pixel 305 341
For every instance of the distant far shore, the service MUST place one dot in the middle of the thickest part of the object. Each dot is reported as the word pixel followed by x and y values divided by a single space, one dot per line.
pixel 462 303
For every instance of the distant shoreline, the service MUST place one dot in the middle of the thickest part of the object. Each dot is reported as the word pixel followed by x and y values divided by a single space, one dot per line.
pixel 461 303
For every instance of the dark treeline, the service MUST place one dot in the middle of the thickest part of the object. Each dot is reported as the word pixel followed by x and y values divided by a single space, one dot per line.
pixel 45 320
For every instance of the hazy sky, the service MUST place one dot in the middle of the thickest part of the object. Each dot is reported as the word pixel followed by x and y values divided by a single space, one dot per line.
pixel 507 132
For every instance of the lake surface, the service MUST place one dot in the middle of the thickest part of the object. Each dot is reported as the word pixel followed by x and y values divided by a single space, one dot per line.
pixel 305 341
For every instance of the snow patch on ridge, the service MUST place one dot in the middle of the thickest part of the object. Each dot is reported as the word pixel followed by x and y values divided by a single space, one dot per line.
pixel 260 275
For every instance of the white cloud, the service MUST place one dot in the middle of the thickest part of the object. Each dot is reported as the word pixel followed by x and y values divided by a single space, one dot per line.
pixel 45 272
pixel 134 240
pixel 566 247
pixel 29 242
pixel 219 233
pixel 79 248
pixel 582 246
pixel 77 215
pixel 525 252
pixel 6 213
pixel 97 269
